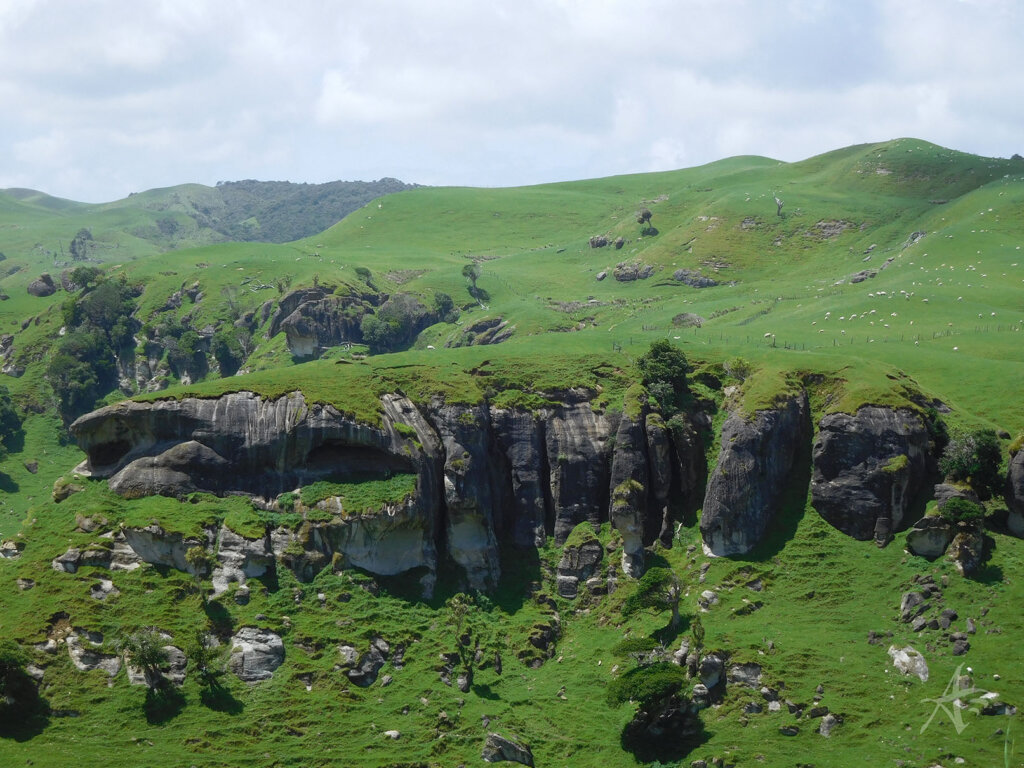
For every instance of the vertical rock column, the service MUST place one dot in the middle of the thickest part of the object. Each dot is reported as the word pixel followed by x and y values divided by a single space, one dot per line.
pixel 468 496
pixel 755 463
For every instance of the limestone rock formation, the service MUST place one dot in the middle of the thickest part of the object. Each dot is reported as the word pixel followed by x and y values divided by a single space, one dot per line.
pixel 498 748
pixel 755 462
pixel 868 468
pixel 255 654
pixel 909 661
pixel 930 537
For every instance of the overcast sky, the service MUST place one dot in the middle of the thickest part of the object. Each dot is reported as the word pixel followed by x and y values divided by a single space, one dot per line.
pixel 102 98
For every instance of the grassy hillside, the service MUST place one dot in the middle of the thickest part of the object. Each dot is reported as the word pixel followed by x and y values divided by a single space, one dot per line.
pixel 941 319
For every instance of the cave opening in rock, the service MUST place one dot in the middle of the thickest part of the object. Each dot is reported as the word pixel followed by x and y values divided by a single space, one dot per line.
pixel 108 454
pixel 341 461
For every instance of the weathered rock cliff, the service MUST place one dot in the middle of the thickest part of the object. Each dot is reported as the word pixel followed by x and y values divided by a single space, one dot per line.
pixel 756 461
pixel 868 469
pixel 485 477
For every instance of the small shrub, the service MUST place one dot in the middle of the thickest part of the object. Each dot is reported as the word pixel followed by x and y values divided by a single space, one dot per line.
pixel 960 510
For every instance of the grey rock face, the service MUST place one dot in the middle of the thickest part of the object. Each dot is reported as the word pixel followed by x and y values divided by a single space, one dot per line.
pixel 469 492
pixel 579 473
pixel 629 481
pixel 498 748
pixel 754 464
pixel 255 654
pixel 867 466
pixel 520 437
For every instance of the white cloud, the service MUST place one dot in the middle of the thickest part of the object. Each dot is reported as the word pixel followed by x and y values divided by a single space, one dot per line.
pixel 107 98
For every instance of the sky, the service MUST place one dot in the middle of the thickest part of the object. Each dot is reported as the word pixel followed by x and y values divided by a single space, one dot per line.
pixel 103 98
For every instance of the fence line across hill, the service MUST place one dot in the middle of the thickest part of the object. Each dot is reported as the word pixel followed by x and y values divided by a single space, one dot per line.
pixel 771 340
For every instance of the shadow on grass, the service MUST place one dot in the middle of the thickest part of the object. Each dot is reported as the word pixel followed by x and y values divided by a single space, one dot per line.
pixel 221 622
pixel 7 484
pixel 163 703
pixel 666 739
pixel 29 715
pixel 218 698
pixel 668 634
pixel 485 692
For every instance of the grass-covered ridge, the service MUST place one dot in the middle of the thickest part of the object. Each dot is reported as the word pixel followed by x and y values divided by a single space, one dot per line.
pixel 937 323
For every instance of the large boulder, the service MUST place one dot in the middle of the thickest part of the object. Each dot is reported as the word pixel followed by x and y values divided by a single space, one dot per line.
pixel 42 286
pixel 754 465
pixel 909 661
pixel 255 654
pixel 498 748
pixel 930 537
pixel 869 467
pixel 968 549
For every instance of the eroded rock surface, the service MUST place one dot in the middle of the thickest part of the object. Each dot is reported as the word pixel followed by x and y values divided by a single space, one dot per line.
pixel 869 467
pixel 255 654
pixel 754 465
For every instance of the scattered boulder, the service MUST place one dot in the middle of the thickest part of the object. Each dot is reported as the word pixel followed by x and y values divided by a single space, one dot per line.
pixel 909 661
pixel 745 674
pixel 828 724
pixel 255 654
pixel 930 537
pixel 693 279
pixel 967 550
pixel 82 648
pixel 42 286
pixel 365 669
pixel 498 748
pixel 173 670
pixel 710 670
pixel 628 271
pixel 598 241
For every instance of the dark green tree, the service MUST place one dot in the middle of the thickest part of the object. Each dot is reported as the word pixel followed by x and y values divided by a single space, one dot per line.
pixel 145 650
pixel 974 458
pixel 11 432
pixel 663 370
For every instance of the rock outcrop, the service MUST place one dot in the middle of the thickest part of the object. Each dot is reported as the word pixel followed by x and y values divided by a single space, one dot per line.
pixel 480 475
pixel 755 462
pixel 1015 494
pixel 42 286
pixel 498 748
pixel 868 469
pixel 255 654
pixel 930 537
